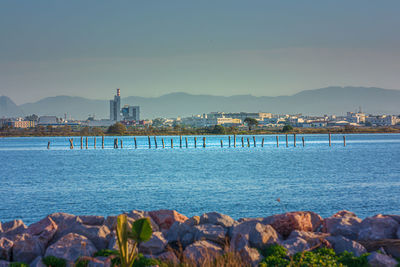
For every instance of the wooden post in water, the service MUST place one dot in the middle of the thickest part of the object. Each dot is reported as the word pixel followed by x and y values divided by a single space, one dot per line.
pixel 163 144
pixel 248 142
pixel 234 140
pixel 222 145
pixel 262 142
pixel 149 142
pixel 155 141
pixel 204 142
pixel 115 143
pixel 302 139
pixel 81 142
pixel 229 140
pixel 48 145
pixel 172 143
pixel 195 142
pixel 86 142
pixel 121 143
pixel 186 141
pixel 135 142
pixel 287 142
pixel 294 140
pixel 94 142
pixel 329 139
pixel 180 141
pixel 102 142
pixel 71 143
pixel 344 140
pixel 254 140
pixel 277 141
pixel 242 142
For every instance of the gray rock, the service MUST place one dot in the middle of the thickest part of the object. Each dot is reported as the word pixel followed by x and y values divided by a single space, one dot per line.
pixel 343 223
pixel 181 233
pixel 155 245
pixel 195 220
pixel 259 235
pixel 341 244
pixel 295 245
pixel 378 227
pixel 5 248
pixel 45 230
pixel 91 219
pixel 99 262
pixel 139 214
pixel 380 260
pixel 12 228
pixel 111 222
pixel 202 250
pixel 68 223
pixel 215 233
pixel 169 257
pixel 250 256
pixel 4 263
pixel 37 262
pixel 27 248
pixel 314 239
pixel 71 247
pixel 398 233
pixel 217 219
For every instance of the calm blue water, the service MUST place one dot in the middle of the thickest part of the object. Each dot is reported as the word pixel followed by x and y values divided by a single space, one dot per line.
pixel 363 177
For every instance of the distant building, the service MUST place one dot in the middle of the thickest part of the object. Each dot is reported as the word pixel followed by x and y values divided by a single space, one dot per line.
pixel 131 113
pixel 115 107
pixel 17 123
pixel 383 120
pixel 48 120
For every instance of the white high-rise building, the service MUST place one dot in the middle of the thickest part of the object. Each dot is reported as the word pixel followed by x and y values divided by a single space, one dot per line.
pixel 115 107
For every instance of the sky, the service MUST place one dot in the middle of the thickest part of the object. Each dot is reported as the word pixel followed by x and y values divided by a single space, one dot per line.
pixel 220 47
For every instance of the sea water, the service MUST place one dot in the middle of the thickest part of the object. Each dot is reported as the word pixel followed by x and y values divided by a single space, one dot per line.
pixel 363 177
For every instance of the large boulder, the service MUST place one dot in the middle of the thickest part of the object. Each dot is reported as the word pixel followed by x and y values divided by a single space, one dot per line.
pixel 215 233
pixel 92 219
pixel 300 220
pixel 169 257
pixel 70 247
pixel 43 229
pixel 378 227
pixel 217 219
pixel 155 245
pixel 259 235
pixel 37 262
pixel 341 244
pixel 314 239
pixel 202 250
pixel 27 247
pixel 12 228
pixel 381 260
pixel 250 255
pixel 343 223
pixel 139 214
pixel 166 218
pixel 391 246
pixel 294 245
pixel 5 248
pixel 181 234
pixel 67 223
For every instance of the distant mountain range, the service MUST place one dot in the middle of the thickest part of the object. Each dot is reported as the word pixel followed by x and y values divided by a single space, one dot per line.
pixel 330 100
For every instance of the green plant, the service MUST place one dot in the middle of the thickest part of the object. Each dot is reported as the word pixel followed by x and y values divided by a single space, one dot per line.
pixel 348 259
pixel 275 255
pixel 287 128
pixel 18 264
pixel 106 253
pixel 141 232
pixel 142 261
pixel 81 263
pixel 54 261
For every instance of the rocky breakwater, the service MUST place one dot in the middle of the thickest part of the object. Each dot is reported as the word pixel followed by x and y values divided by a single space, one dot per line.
pixel 176 237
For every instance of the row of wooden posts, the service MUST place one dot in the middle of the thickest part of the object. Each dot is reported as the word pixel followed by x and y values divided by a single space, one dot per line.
pixel 120 143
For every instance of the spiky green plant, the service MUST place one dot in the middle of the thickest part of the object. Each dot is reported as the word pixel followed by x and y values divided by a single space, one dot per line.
pixel 141 232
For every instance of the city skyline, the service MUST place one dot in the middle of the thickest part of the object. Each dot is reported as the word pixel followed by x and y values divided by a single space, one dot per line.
pixel 262 48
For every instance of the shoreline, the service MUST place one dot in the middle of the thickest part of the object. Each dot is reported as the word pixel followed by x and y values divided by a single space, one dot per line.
pixel 59 234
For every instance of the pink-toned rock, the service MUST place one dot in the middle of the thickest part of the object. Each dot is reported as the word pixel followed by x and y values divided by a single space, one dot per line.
pixel 139 214
pixel 202 250
pixel 300 220
pixel 169 257
pixel 378 227
pixel 314 239
pixel 91 219
pixel 5 248
pixel 165 218
pixel 250 255
pixel 344 223
pixel 27 248
pixel 11 228
pixel 155 245
pixel 71 247
pixel 43 229
pixel 380 260
pixel 258 235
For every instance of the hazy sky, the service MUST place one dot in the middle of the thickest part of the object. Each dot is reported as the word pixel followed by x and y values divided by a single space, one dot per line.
pixel 222 47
